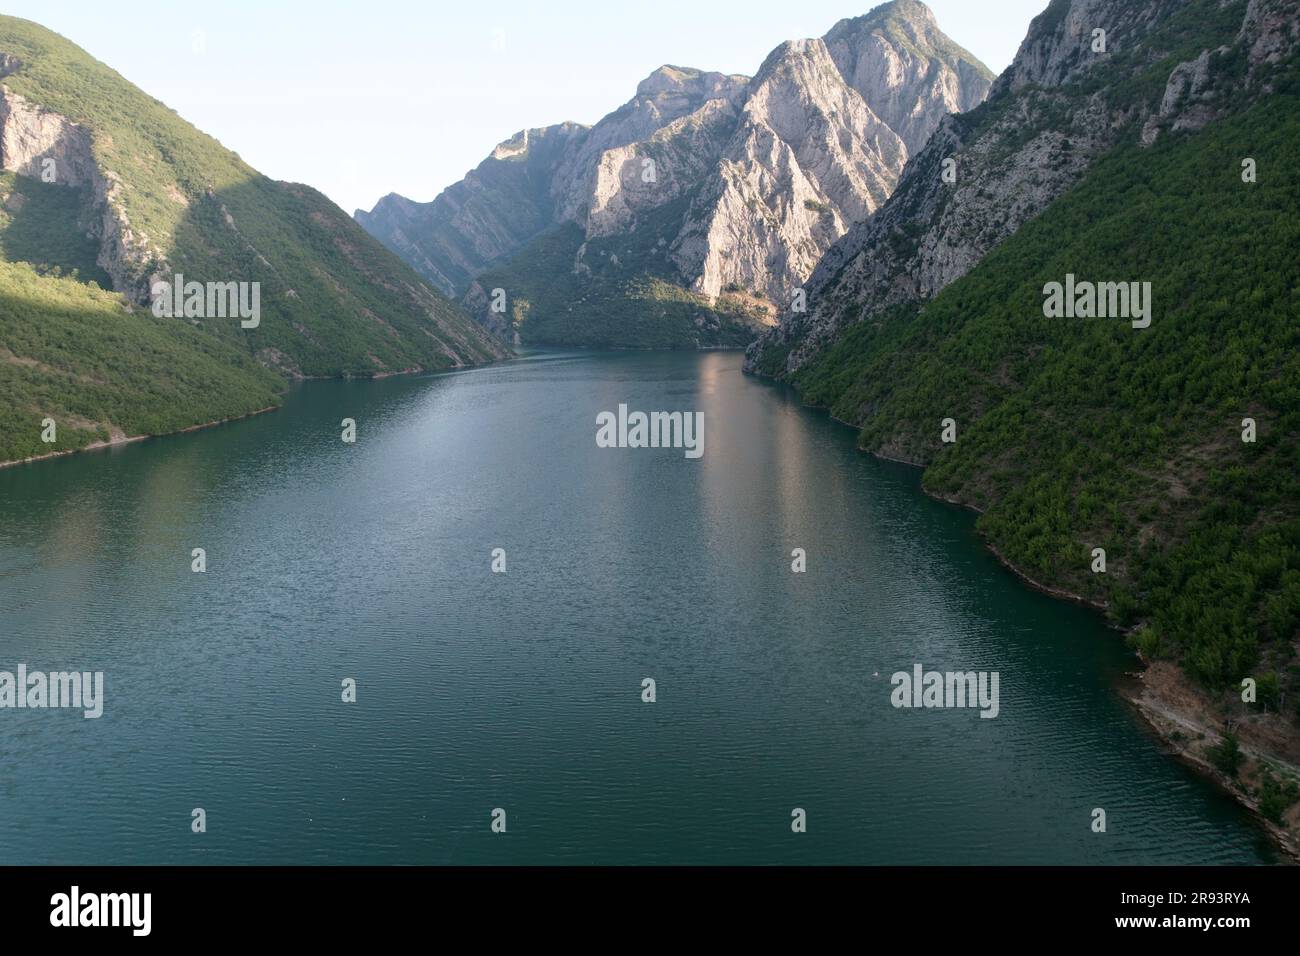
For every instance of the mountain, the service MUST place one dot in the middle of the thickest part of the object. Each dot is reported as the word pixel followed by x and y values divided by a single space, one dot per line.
pixel 105 192
pixel 489 214
pixel 531 182
pixel 1056 109
pixel 1174 447
pixel 690 215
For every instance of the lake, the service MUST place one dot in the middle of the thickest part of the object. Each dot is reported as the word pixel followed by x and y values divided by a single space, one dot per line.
pixel 523 690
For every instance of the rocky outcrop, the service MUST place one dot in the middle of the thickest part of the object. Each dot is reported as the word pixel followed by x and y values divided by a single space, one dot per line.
pixel 38 143
pixel 1188 101
pixel 983 175
pixel 42 144
pixel 1196 95
pixel 631 180
pixel 494 210
pixel 664 108
pixel 1270 33
pixel 809 158
pixel 758 176
pixel 827 129
pixel 542 177
pixel 162 200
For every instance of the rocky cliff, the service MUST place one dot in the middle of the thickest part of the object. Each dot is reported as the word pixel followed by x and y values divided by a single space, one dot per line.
pixel 825 132
pixel 489 214
pixel 104 192
pixel 1069 97
pixel 160 198
pixel 730 184
pixel 44 145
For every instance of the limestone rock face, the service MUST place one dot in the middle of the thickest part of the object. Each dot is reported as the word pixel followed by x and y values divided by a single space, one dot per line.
pixel 1270 31
pixel 30 135
pixel 663 102
pixel 809 158
pixel 1039 131
pixel 891 67
pixel 631 180
pixel 759 177
pixel 44 145
pixel 496 208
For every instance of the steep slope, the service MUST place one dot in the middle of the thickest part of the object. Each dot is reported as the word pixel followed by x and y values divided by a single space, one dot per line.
pixel 825 133
pixel 669 94
pixel 491 213
pixel 106 181
pixel 1073 434
pixel 1055 110
pixel 719 193
pixel 531 182
pixel 167 198
pixel 78 355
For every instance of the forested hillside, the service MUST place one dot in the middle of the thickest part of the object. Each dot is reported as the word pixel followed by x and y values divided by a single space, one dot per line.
pixel 623 296
pixel 104 185
pixel 1172 450
pixel 103 371
pixel 1081 433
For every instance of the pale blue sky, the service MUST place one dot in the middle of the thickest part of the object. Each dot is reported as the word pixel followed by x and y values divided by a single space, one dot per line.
pixel 362 99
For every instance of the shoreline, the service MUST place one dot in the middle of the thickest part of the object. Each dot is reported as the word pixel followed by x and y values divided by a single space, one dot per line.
pixel 131 439
pixel 1165 702
pixel 1162 714
pixel 101 445
pixel 1059 593
pixel 1183 730
pixel 1171 706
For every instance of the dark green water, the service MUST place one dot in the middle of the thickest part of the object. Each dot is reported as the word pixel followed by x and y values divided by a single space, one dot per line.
pixel 523 690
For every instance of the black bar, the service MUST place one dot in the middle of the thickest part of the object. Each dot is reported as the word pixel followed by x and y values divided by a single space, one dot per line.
pixel 940 906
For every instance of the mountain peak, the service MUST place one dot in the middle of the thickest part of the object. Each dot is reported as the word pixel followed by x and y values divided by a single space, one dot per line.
pixel 912 15
pixel 685 79
pixel 913 10
pixel 513 147
pixel 667 77
pixel 754 179
pixel 911 26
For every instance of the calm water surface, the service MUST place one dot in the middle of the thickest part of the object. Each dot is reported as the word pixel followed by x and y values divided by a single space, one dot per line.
pixel 523 690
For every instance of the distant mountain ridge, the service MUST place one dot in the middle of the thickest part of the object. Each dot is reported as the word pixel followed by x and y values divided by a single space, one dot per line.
pixel 706 182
